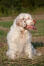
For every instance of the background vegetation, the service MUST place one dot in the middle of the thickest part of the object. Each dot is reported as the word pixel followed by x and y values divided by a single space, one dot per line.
pixel 13 7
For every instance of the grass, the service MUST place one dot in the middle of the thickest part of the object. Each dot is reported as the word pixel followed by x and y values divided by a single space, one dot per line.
pixel 40 28
pixel 3 36
pixel 6 24
pixel 4 61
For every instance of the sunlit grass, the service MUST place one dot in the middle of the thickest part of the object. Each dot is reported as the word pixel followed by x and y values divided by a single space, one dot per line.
pixel 6 24
pixel 40 28
pixel 3 35
pixel 4 61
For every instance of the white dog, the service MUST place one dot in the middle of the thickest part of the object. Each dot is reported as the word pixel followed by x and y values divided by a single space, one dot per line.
pixel 19 37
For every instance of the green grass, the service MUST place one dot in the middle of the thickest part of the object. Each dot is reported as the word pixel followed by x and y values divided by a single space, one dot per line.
pixel 4 61
pixel 3 36
pixel 6 24
pixel 40 28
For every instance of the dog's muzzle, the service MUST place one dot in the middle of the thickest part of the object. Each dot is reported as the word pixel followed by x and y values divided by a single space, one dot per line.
pixel 31 26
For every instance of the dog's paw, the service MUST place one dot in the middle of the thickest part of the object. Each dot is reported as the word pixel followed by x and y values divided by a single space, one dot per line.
pixel 10 55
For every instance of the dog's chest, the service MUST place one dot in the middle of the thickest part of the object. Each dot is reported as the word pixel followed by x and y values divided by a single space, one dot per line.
pixel 24 36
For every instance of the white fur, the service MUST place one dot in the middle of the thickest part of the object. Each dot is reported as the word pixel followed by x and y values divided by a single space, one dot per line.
pixel 18 43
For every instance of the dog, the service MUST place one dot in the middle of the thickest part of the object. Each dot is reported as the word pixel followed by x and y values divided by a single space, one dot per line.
pixel 19 37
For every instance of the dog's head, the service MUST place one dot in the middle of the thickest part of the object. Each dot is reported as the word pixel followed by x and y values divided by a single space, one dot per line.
pixel 25 21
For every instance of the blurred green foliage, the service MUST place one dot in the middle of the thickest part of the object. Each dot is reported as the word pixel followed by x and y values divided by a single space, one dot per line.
pixel 11 7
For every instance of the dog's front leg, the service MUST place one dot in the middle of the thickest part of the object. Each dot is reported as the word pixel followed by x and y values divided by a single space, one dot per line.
pixel 29 50
pixel 11 53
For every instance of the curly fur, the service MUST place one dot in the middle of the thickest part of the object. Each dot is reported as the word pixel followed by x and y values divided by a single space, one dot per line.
pixel 19 39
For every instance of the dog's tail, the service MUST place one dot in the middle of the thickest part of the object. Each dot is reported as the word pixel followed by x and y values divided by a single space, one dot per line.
pixel 37 53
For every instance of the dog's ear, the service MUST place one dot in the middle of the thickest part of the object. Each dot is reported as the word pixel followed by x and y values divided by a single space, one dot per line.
pixel 18 22
pixel 21 23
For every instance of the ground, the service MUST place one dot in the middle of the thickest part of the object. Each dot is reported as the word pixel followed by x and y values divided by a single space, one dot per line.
pixel 37 41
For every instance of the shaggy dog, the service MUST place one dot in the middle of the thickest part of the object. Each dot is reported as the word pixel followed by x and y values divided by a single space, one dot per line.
pixel 19 37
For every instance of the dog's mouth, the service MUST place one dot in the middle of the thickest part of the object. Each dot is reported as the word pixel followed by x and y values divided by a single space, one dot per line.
pixel 31 27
